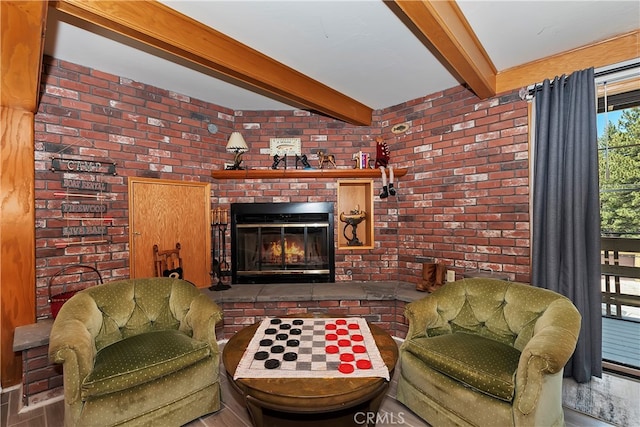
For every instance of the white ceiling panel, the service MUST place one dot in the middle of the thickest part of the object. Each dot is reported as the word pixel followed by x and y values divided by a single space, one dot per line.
pixel 359 48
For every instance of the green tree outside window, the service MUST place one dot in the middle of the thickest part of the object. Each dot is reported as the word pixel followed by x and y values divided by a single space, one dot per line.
pixel 619 171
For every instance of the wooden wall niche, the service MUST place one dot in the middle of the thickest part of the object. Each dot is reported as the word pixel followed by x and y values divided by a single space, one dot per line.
pixel 355 194
pixel 166 212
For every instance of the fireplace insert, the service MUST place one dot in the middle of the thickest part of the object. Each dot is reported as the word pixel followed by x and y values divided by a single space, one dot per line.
pixel 282 243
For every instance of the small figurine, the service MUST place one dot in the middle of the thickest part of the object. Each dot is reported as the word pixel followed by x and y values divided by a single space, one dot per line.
pixel 237 159
pixel 303 159
pixel 277 160
pixel 324 158
pixel 355 217
pixel 382 162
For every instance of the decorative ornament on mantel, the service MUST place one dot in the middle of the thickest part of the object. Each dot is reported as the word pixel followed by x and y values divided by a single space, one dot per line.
pixel 348 173
pixel 400 128
pixel 353 218
pixel 325 158
pixel 382 162
pixel 238 146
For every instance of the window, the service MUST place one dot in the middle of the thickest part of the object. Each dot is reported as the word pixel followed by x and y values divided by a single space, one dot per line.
pixel 618 94
pixel 619 158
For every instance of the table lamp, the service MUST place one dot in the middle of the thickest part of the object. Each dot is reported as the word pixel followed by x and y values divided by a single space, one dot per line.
pixel 238 146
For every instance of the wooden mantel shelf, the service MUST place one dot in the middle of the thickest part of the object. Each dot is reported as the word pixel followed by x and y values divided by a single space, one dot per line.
pixel 302 173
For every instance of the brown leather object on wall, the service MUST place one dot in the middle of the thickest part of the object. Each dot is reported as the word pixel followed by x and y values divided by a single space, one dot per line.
pixel 433 277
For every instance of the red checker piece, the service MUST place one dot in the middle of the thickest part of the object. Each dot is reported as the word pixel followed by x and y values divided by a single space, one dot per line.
pixel 331 337
pixel 359 349
pixel 353 326
pixel 332 349
pixel 345 368
pixel 344 343
pixel 342 332
pixel 363 364
pixel 341 322
pixel 330 326
pixel 357 337
pixel 347 357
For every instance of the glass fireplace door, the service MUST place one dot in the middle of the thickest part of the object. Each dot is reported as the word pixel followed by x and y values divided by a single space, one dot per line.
pixel 282 243
pixel 282 249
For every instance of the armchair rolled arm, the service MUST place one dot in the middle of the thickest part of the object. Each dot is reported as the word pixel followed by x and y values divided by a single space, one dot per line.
pixel 547 352
pixel 72 342
pixel 202 317
pixel 72 345
pixel 421 314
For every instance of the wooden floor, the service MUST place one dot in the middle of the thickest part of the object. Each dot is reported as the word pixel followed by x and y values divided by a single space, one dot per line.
pixel 233 412
pixel 621 341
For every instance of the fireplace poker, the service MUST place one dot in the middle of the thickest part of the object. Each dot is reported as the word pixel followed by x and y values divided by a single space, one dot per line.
pixel 218 248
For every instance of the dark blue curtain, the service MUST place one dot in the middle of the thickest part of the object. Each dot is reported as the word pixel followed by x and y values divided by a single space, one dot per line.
pixel 566 208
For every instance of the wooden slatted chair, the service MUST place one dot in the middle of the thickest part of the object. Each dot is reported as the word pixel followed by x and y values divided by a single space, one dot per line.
pixel 168 262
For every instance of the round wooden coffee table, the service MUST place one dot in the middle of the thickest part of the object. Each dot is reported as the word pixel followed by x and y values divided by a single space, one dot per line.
pixel 285 402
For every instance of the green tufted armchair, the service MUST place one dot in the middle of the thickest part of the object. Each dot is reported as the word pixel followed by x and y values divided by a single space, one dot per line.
pixel 138 352
pixel 483 352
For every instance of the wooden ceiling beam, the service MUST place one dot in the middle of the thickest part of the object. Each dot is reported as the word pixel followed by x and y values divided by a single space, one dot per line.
pixel 441 25
pixel 161 27
pixel 617 49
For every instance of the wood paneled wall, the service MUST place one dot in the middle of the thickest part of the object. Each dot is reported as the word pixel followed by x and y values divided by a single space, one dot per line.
pixel 17 243
pixel 23 24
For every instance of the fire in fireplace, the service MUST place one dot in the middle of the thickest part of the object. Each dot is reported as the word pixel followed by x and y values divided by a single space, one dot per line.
pixel 282 243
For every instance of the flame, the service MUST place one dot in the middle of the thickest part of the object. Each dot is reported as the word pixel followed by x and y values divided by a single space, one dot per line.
pixel 293 253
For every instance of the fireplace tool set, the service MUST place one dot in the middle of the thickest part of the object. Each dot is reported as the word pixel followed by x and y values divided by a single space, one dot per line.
pixel 219 265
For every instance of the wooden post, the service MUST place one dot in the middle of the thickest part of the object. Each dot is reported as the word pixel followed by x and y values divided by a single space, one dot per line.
pixel 23 24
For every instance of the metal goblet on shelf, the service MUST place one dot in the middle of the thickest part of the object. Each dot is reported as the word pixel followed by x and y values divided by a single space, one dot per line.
pixel 353 218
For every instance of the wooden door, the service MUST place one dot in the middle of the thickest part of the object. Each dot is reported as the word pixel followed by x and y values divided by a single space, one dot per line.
pixel 163 213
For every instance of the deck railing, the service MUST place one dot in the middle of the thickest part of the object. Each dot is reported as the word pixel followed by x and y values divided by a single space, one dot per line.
pixel 621 277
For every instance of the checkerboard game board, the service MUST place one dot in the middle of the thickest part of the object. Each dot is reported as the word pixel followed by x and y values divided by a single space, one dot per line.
pixel 312 348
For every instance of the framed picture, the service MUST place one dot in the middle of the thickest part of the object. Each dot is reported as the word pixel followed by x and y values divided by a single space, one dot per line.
pixel 284 146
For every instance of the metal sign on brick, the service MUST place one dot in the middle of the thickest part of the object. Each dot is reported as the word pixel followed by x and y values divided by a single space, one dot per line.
pixel 61 164
pixel 80 184
pixel 84 230
pixel 83 208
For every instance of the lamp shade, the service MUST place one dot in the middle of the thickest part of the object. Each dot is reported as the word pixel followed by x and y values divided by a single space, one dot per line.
pixel 237 143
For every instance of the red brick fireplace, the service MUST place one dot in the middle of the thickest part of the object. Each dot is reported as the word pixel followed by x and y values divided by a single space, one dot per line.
pixel 464 200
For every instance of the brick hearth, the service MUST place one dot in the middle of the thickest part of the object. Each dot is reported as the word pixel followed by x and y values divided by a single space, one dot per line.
pixel 381 303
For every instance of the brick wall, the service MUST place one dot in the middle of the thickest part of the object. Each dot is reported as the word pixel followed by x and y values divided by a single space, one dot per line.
pixel 148 132
pixel 464 200
pixel 39 377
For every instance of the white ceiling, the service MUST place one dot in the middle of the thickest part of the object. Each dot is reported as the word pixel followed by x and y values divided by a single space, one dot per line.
pixel 357 47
